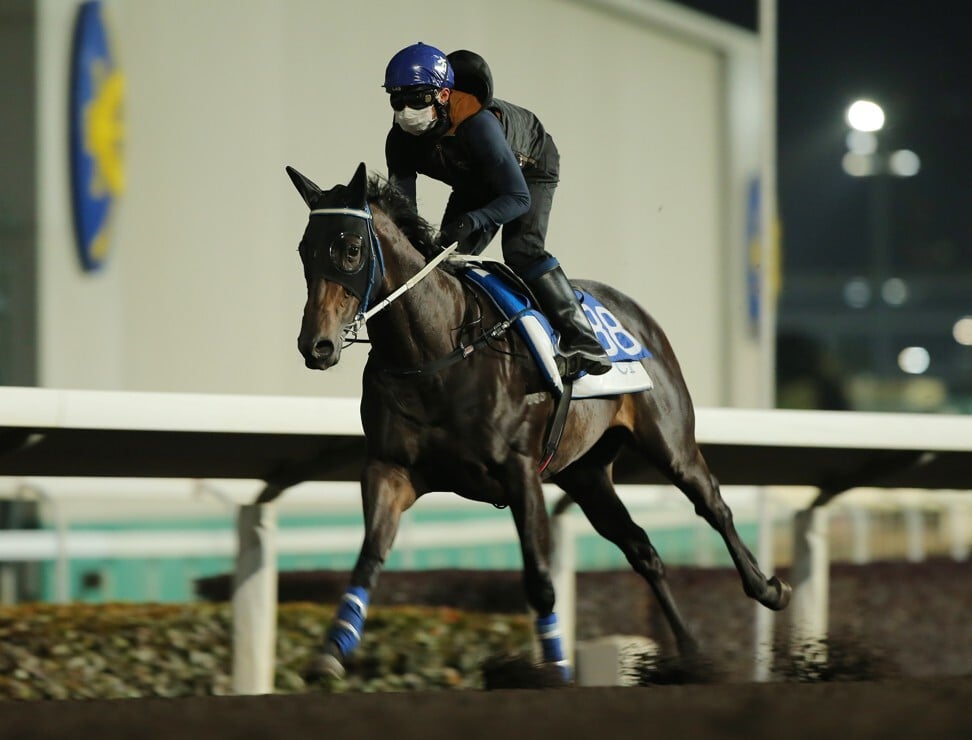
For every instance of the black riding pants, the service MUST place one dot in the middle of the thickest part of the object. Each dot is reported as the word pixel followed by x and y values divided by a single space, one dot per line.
pixel 524 237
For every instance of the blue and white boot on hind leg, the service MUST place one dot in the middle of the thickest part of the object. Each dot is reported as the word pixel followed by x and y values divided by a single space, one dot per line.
pixel 344 634
pixel 552 645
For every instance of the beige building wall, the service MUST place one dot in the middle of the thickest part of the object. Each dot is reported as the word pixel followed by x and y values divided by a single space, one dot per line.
pixel 651 106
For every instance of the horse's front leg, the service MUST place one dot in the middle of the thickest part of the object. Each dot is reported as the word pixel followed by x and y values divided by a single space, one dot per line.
pixel 386 492
pixel 533 526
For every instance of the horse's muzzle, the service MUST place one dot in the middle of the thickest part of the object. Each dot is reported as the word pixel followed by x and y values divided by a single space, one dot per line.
pixel 319 355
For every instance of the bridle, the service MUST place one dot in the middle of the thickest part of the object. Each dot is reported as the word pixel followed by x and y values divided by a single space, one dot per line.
pixel 461 352
pixel 376 270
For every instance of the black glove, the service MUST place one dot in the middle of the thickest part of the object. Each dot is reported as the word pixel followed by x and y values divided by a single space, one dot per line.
pixel 458 231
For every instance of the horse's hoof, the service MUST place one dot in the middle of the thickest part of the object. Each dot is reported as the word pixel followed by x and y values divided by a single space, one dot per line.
pixel 784 592
pixel 324 666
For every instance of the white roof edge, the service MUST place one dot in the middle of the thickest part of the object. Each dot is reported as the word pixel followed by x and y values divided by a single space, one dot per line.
pixel 837 429
pixel 183 412
pixel 41 408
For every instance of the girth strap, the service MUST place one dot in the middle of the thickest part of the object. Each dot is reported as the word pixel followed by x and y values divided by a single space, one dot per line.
pixel 556 429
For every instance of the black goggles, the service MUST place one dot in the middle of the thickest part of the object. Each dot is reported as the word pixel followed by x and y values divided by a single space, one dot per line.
pixel 412 97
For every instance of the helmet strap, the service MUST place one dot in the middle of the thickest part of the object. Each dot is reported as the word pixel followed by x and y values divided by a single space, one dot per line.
pixel 442 121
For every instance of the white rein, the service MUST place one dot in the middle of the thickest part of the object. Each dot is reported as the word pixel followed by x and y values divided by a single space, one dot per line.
pixel 363 317
pixel 409 284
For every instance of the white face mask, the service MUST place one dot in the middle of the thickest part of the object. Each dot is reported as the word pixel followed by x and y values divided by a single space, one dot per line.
pixel 415 121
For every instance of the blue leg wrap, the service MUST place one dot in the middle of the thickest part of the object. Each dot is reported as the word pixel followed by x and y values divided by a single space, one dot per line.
pixel 551 644
pixel 348 624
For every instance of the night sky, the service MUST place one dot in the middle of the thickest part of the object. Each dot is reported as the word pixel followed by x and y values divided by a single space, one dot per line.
pixel 915 59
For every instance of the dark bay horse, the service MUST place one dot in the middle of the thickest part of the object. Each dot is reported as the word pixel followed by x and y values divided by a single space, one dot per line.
pixel 476 425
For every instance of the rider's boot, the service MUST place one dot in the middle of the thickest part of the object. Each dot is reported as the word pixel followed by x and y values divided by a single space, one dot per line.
pixel 579 348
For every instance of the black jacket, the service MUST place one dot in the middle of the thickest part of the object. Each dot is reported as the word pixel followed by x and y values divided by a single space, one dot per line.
pixel 487 159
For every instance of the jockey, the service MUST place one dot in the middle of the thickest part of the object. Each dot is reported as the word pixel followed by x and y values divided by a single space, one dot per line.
pixel 503 168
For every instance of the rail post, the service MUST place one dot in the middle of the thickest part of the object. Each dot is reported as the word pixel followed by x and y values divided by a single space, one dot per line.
pixel 255 600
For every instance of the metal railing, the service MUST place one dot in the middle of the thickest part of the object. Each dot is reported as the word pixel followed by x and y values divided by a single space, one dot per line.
pixel 108 521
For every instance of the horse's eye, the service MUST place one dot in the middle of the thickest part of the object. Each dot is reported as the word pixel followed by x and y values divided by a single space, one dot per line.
pixel 347 252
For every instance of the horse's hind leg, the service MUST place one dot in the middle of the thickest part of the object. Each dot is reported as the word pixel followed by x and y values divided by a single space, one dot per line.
pixel 591 488
pixel 387 491
pixel 690 473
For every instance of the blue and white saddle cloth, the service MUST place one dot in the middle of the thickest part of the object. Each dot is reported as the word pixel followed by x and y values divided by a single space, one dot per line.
pixel 626 375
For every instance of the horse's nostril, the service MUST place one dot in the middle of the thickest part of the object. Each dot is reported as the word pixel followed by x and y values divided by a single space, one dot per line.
pixel 324 348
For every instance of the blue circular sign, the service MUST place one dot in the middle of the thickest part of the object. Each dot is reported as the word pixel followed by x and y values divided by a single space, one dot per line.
pixel 97 133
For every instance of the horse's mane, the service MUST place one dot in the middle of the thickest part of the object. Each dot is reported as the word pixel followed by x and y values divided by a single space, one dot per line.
pixel 399 209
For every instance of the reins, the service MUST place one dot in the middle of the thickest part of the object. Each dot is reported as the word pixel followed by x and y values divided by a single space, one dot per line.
pixel 462 351
pixel 418 277
pixel 459 353
pixel 362 316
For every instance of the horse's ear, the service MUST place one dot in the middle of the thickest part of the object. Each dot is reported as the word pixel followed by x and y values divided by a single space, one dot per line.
pixel 358 187
pixel 307 189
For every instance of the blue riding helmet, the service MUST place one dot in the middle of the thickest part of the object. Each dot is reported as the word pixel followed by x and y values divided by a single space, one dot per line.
pixel 419 64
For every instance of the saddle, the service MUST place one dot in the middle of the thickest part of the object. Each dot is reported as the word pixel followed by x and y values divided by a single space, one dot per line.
pixel 513 299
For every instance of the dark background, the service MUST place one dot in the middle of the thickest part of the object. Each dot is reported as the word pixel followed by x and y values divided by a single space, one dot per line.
pixel 914 59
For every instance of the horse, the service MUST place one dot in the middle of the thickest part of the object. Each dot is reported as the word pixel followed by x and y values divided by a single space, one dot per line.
pixel 451 402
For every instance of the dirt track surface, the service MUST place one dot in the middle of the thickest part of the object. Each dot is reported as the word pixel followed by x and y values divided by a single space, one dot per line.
pixel 913 708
